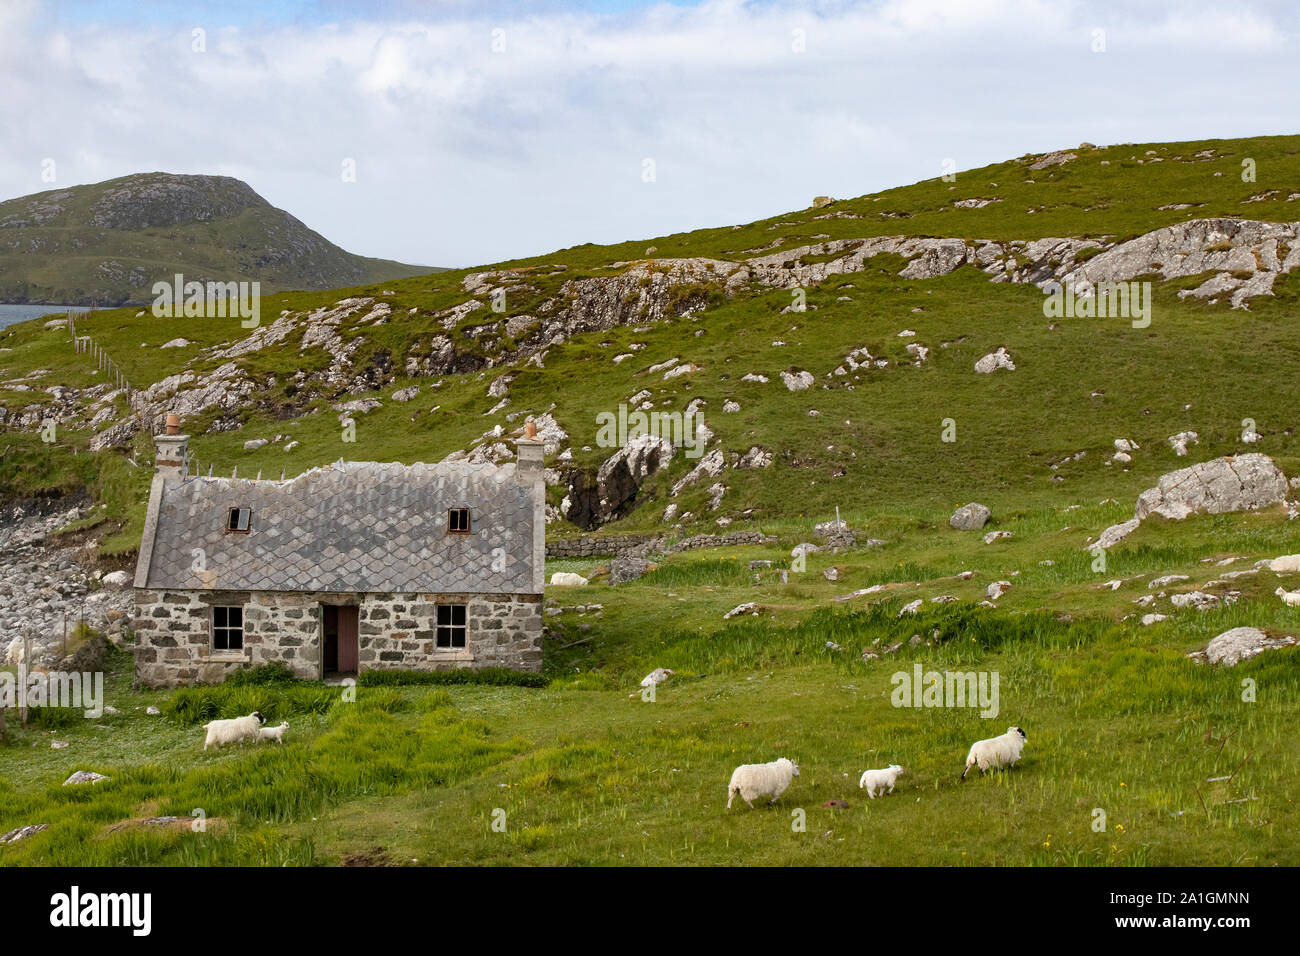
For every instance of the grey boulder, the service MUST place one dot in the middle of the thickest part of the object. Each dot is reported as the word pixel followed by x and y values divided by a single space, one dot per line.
pixel 1241 644
pixel 971 517
pixel 1233 483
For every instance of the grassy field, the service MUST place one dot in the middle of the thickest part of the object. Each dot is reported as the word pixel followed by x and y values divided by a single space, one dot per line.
pixel 585 771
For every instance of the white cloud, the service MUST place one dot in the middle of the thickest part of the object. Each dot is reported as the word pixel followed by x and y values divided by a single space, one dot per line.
pixel 467 156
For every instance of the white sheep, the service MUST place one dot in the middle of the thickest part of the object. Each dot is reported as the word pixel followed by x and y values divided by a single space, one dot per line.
pixel 996 752
pixel 1286 564
pixel 272 733
pixel 874 781
pixel 566 579
pixel 233 730
pixel 1289 598
pixel 750 781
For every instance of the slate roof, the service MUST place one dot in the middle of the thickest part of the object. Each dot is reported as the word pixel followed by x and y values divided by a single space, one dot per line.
pixel 352 526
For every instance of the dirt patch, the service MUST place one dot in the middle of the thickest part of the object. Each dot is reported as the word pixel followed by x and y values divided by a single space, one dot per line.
pixel 176 824
pixel 375 856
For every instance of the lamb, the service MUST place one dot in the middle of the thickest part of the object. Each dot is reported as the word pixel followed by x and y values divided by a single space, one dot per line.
pixel 1289 598
pixel 996 751
pixel 273 733
pixel 750 781
pixel 232 731
pixel 874 781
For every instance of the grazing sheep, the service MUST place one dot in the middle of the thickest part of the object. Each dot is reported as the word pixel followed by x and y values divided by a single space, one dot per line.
pixel 232 731
pixel 1289 598
pixel 272 733
pixel 996 752
pixel 566 579
pixel 750 781
pixel 874 781
pixel 1287 564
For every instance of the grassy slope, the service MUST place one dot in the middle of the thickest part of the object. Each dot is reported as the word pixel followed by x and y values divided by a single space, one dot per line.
pixel 1116 717
pixel 91 263
pixel 589 776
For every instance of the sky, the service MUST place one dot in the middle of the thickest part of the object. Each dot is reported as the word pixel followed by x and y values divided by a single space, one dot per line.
pixel 462 133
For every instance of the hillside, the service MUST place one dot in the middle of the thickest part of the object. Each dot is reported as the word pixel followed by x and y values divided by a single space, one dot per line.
pixel 108 243
pixel 869 401
pixel 580 332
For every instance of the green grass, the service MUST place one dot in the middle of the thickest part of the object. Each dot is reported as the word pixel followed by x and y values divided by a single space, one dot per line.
pixel 1117 720
pixel 65 258
pixel 493 676
pixel 1011 428
pixel 587 771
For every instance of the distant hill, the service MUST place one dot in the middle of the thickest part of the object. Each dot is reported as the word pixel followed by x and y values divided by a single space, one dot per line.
pixel 108 243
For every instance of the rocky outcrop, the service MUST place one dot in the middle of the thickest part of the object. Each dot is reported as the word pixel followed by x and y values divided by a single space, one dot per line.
pixel 1180 442
pixel 1234 483
pixel 1240 644
pixel 798 380
pixel 1048 160
pixel 1115 534
pixel 115 436
pixel 593 502
pixel 628 567
pixel 709 466
pixel 83 777
pixel 990 363
pixel 189 394
pixel 22 833
pixel 1244 256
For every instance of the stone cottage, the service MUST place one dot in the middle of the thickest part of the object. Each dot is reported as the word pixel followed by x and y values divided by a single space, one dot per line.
pixel 350 567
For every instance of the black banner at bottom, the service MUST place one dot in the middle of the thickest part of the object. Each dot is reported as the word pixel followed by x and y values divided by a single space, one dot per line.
pixel 335 906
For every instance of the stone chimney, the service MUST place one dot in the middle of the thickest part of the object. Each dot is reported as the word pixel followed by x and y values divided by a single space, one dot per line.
pixel 530 462
pixel 170 451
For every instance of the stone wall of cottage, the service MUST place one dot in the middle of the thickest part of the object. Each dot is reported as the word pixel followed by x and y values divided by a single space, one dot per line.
pixel 398 631
pixel 173 633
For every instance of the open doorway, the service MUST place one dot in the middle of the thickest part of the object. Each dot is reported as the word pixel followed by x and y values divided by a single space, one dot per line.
pixel 339 646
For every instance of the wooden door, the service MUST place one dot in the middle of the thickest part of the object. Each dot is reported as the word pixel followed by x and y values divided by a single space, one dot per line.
pixel 330 639
pixel 348 639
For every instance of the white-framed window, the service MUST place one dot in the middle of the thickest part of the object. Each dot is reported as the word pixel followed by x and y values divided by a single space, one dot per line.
pixel 228 628
pixel 451 625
